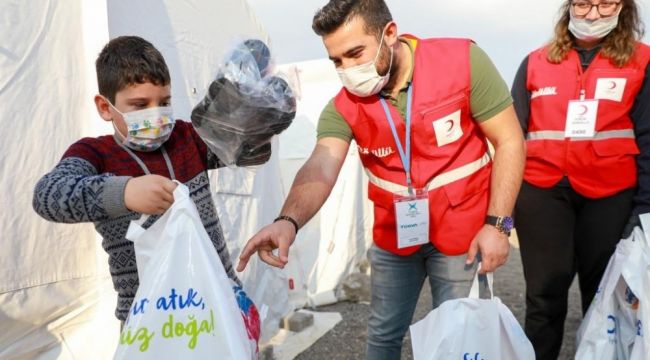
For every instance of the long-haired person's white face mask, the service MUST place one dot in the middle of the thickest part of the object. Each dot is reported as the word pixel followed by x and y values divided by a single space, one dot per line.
pixel 364 80
pixel 590 30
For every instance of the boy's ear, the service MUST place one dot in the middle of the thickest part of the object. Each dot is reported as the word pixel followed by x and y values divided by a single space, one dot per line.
pixel 103 108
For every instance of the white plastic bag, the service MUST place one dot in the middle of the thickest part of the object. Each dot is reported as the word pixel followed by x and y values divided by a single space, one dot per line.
pixel 185 306
pixel 613 326
pixel 598 334
pixel 636 273
pixel 470 328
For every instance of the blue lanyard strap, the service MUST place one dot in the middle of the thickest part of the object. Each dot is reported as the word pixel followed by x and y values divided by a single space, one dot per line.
pixel 404 153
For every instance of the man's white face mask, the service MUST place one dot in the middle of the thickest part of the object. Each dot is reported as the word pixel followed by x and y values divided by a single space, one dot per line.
pixel 590 30
pixel 364 80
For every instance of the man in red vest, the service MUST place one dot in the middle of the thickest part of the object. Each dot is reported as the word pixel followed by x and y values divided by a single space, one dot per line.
pixel 420 112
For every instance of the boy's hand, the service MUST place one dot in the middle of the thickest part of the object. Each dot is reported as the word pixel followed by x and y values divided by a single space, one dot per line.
pixel 149 194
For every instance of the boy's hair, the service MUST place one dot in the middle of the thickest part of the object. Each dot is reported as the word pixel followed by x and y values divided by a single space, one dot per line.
pixel 330 17
pixel 128 60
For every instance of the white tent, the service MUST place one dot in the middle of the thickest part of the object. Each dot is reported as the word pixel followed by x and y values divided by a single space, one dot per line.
pixel 334 242
pixel 54 277
pixel 56 297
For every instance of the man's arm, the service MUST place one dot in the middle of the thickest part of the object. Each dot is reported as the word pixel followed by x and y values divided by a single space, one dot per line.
pixel 315 180
pixel 491 106
pixel 310 189
pixel 504 132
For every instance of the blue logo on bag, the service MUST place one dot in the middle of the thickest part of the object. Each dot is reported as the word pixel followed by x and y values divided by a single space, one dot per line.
pixel 612 330
pixel 630 298
pixel 468 356
pixel 639 328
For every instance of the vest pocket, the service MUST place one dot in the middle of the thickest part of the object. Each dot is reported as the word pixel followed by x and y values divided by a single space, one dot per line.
pixel 615 147
pixel 462 190
pixel 443 123
pixel 545 149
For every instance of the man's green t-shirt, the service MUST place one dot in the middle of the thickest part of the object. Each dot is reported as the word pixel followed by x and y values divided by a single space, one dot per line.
pixel 489 96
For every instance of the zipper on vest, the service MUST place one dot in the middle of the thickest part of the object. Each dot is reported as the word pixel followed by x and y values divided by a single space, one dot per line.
pixel 455 99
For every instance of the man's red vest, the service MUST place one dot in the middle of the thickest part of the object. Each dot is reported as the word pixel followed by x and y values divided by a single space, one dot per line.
pixel 596 167
pixel 456 172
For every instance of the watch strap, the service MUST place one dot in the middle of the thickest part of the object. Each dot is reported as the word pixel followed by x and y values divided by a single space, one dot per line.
pixel 502 223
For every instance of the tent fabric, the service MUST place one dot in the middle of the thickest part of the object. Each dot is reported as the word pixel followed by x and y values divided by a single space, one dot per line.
pixel 247 199
pixel 56 297
pixel 40 98
pixel 52 276
pixel 193 36
pixel 61 320
pixel 332 245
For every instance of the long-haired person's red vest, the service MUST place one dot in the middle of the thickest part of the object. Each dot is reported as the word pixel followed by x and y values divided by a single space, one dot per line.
pixel 455 173
pixel 599 166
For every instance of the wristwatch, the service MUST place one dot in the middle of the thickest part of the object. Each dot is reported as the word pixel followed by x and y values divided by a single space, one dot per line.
pixel 503 223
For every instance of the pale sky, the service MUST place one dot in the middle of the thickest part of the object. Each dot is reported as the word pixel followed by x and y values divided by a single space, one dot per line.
pixel 506 29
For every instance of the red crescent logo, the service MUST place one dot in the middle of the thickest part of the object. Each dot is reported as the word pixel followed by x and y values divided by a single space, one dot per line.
pixel 584 109
pixel 612 85
pixel 451 124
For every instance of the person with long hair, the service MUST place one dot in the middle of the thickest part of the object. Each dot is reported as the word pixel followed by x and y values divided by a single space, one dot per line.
pixel 583 101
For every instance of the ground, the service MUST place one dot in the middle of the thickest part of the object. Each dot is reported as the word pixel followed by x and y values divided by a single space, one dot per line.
pixel 347 339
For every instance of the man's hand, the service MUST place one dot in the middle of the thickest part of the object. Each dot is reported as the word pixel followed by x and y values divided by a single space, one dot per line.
pixel 493 246
pixel 310 189
pixel 149 194
pixel 279 235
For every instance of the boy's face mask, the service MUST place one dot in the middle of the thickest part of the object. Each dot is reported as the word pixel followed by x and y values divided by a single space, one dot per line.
pixel 147 129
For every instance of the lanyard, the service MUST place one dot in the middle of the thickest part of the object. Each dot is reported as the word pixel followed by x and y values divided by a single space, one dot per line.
pixel 581 80
pixel 135 157
pixel 404 153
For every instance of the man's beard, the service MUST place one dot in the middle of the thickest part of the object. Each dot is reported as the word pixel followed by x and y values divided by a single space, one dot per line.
pixel 384 62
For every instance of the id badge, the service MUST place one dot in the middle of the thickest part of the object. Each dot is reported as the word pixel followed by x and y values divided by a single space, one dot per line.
pixel 412 218
pixel 581 118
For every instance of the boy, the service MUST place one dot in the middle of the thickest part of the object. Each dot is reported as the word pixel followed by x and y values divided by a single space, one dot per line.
pixel 113 179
